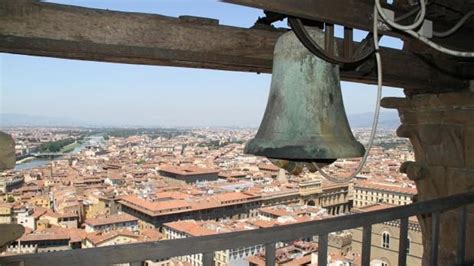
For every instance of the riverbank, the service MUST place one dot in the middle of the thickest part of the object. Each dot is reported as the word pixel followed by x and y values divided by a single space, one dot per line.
pixel 24 160
pixel 70 147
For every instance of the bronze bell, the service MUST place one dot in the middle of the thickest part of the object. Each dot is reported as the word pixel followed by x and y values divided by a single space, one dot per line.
pixel 7 152
pixel 305 121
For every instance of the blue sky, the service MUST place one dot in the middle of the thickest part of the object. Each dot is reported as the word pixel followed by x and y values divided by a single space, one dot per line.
pixel 120 94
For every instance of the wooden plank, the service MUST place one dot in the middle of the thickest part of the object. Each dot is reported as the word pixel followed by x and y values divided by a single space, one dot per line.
pixel 353 14
pixel 45 29
pixel 350 13
pixel 194 245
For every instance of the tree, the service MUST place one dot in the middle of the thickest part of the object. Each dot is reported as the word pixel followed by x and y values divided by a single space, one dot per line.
pixel 10 199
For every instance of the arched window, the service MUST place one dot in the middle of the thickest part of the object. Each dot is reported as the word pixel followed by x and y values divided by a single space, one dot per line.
pixel 385 240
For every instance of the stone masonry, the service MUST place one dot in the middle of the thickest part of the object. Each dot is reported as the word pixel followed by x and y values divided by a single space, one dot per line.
pixel 441 130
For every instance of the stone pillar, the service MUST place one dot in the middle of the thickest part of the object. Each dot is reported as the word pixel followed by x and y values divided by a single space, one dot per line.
pixel 441 130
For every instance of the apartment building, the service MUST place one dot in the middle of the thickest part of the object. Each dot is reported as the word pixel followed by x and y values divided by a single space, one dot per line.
pixel 367 192
pixel 190 228
pixel 113 222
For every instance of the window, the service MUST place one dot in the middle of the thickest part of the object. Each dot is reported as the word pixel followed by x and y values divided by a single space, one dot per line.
pixel 385 240
pixel 384 264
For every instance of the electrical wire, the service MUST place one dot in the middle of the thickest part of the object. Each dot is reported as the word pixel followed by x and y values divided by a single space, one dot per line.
pixel 408 14
pixel 409 30
pixel 456 27
pixel 418 22
pixel 440 48
pixel 376 112
pixel 304 37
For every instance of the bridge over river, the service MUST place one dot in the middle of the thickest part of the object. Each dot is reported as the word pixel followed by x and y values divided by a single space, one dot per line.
pixel 47 154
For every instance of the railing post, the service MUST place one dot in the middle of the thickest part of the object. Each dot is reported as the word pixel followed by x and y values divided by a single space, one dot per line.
pixel 270 254
pixel 402 247
pixel 323 250
pixel 366 243
pixel 208 259
pixel 434 238
pixel 462 236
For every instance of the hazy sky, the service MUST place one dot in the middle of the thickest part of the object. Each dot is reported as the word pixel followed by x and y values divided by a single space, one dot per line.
pixel 120 94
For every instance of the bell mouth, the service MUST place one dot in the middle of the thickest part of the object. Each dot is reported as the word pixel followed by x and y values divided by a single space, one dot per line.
pixel 295 167
pixel 308 151
pixel 320 162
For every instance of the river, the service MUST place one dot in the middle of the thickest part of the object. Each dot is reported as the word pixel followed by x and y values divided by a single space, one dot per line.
pixel 89 141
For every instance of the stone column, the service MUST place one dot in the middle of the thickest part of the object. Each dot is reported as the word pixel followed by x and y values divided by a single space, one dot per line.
pixel 441 130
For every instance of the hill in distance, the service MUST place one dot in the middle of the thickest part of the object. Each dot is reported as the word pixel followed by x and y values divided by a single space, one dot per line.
pixel 387 120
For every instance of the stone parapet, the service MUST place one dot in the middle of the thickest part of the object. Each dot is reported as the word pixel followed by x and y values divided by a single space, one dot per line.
pixel 441 130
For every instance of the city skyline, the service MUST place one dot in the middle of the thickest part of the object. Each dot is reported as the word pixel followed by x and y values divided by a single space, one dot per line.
pixel 118 94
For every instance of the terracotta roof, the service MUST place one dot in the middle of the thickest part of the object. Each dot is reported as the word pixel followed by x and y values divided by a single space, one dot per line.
pixel 156 206
pixel 46 236
pixel 275 211
pixel 191 227
pixel 75 234
pixel 268 167
pixel 6 205
pixel 98 238
pixel 263 223
pixel 172 195
pixel 112 219
pixel 396 187
pixel 234 196
pixel 151 234
pixel 38 212
pixel 381 206
pixel 60 215
pixel 232 174
pixel 373 207
pixel 188 170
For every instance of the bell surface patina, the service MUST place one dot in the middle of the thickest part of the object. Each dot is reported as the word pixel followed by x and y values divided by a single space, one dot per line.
pixel 304 120
pixel 7 152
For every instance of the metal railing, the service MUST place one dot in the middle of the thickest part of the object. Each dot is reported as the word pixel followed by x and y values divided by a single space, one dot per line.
pixel 135 254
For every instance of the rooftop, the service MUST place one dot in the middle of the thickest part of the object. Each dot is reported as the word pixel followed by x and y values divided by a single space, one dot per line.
pixel 188 170
pixel 112 219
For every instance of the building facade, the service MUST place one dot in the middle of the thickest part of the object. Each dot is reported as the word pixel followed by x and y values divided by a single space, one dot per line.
pixel 385 240
pixel 368 193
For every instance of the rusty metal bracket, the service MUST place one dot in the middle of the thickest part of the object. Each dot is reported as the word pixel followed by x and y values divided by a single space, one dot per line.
pixel 328 54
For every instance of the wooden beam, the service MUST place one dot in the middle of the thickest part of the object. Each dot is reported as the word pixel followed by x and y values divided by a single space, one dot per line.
pixel 44 29
pixel 355 14
pixel 350 13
